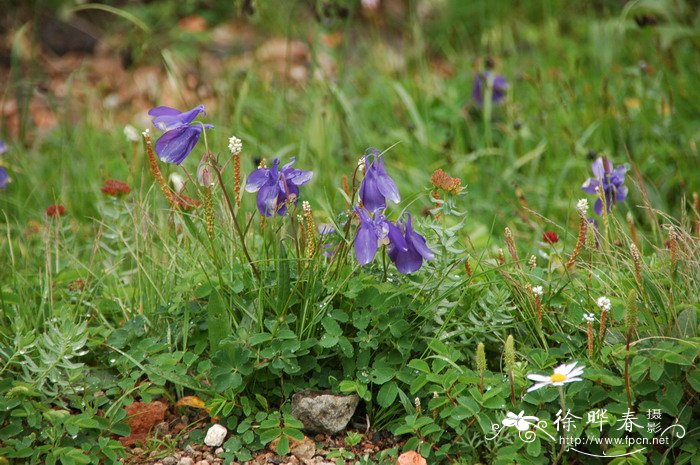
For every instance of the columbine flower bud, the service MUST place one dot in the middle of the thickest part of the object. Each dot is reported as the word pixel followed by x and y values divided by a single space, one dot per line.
pixel 235 145
pixel 205 175
pixel 132 135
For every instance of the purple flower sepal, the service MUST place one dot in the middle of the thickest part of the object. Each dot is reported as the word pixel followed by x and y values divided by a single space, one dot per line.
pixel 181 133
pixel 276 186
pixel 374 232
pixel 410 259
pixel 498 90
pixel 611 179
pixel 377 186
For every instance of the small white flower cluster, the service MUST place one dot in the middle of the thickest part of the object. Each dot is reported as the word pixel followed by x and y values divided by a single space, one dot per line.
pixel 582 207
pixel 306 206
pixel 361 164
pixel 588 317
pixel 604 304
pixel 132 135
pixel 146 132
pixel 538 291
pixel 235 145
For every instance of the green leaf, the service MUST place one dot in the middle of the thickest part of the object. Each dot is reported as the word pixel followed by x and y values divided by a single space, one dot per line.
pixel 420 365
pixel 217 321
pixel 282 445
pixel 694 379
pixel 387 394
pixel 269 435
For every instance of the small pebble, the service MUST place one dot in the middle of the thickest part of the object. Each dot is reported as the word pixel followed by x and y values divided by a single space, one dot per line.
pixel 186 461
pixel 215 436
pixel 219 450
pixel 202 462
pixel 170 460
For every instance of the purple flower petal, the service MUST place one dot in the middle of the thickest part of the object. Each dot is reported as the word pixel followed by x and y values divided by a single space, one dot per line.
pixel 406 262
pixel 297 177
pixel 257 179
pixel 175 145
pixel 598 206
pixel 386 185
pixel 590 186
pixel 267 199
pixel 621 194
pixel 4 178
pixel 598 168
pixel 396 239
pixel 365 244
pixel 372 198
pixel 618 175
pixel 167 118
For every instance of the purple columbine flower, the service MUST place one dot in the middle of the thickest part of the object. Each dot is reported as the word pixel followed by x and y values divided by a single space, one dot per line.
pixel 181 134
pixel 4 178
pixel 411 258
pixel 498 91
pixel 612 181
pixel 275 186
pixel 377 185
pixel 374 232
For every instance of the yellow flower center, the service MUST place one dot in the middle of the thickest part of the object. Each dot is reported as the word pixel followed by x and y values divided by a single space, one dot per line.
pixel 558 378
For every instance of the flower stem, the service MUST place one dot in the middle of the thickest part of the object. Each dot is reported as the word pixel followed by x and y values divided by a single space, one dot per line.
pixel 236 226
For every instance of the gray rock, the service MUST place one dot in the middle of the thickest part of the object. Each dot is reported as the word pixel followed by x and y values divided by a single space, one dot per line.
pixel 169 460
pixel 215 436
pixel 322 411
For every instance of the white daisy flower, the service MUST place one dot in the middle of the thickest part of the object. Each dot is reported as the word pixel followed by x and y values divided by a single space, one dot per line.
pixel 604 304
pixel 520 421
pixel 566 373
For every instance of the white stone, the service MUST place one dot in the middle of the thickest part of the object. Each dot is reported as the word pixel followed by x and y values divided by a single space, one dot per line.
pixel 215 436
